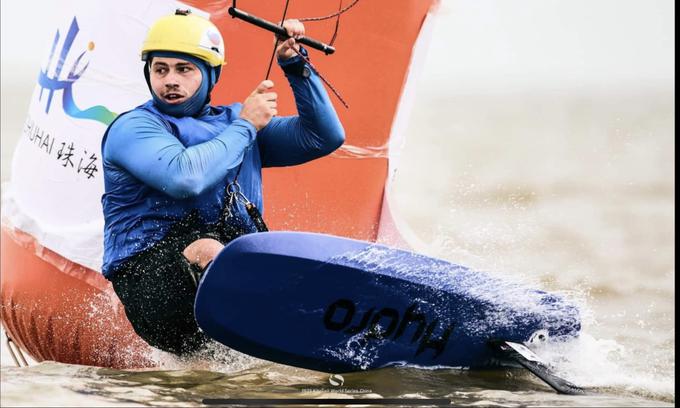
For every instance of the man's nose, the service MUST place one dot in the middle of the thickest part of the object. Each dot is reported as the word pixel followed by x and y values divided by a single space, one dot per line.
pixel 172 79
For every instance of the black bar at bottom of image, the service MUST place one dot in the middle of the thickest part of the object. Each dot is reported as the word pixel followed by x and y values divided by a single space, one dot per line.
pixel 327 401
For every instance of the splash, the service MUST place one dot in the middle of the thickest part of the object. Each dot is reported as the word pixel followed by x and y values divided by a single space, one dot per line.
pixel 357 350
pixel 481 302
pixel 605 365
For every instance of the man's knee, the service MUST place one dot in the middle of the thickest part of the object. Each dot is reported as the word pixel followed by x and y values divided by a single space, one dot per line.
pixel 202 251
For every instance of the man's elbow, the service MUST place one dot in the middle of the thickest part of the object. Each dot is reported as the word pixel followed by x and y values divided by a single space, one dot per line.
pixel 182 187
pixel 335 137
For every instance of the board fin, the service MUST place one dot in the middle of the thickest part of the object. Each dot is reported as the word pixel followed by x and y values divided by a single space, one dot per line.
pixel 520 354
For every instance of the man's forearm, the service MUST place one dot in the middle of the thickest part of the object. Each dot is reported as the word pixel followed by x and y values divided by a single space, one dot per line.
pixel 153 155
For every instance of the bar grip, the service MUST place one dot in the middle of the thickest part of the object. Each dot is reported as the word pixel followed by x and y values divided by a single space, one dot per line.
pixel 279 31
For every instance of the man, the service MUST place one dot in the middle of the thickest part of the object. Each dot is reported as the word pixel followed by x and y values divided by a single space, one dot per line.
pixel 170 164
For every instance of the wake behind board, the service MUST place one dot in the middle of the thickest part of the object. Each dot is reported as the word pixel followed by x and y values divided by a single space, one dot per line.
pixel 338 305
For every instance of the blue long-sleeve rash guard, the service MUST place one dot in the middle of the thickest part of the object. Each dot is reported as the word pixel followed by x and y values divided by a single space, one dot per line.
pixel 158 168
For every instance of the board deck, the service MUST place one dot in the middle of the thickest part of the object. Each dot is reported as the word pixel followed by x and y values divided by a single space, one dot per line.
pixel 338 305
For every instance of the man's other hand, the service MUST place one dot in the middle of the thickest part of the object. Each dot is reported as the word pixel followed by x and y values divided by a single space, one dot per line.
pixel 260 107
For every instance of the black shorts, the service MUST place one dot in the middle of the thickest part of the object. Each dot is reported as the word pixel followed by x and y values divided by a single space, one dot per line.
pixel 158 288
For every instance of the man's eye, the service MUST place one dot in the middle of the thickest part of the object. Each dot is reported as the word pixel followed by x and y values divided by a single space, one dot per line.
pixel 184 69
pixel 160 70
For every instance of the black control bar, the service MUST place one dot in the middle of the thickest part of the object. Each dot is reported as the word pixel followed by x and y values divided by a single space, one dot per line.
pixel 279 31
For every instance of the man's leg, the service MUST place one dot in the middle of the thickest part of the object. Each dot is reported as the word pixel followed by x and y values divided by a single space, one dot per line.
pixel 202 251
pixel 158 289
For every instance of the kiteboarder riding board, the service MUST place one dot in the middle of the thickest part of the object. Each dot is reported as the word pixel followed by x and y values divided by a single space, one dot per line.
pixel 338 305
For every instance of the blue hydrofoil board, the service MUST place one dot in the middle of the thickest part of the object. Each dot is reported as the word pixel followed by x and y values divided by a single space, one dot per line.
pixel 338 305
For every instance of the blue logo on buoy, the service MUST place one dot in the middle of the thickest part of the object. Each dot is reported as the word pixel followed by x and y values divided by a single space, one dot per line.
pixel 55 83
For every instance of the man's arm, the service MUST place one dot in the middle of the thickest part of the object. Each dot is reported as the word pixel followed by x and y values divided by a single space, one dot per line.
pixel 143 146
pixel 317 131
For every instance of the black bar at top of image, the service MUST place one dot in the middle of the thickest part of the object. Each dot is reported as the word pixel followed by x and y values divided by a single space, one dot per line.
pixel 327 401
pixel 279 30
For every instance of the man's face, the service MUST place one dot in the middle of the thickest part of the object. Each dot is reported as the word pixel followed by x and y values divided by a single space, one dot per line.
pixel 174 80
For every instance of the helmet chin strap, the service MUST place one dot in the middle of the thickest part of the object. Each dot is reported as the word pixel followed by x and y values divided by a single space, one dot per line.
pixel 194 105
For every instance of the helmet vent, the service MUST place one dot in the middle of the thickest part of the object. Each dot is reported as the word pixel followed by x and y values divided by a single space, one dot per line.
pixel 181 12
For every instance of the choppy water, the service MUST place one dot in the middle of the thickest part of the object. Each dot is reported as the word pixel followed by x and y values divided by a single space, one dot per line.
pixel 46 385
pixel 569 189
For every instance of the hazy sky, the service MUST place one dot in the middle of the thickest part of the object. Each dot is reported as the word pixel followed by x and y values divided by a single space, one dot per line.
pixel 570 41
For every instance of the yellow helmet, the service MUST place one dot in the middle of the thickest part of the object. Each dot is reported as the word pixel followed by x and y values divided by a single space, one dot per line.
pixel 187 33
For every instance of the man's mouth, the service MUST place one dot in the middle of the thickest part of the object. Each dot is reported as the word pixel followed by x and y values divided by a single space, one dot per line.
pixel 173 97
